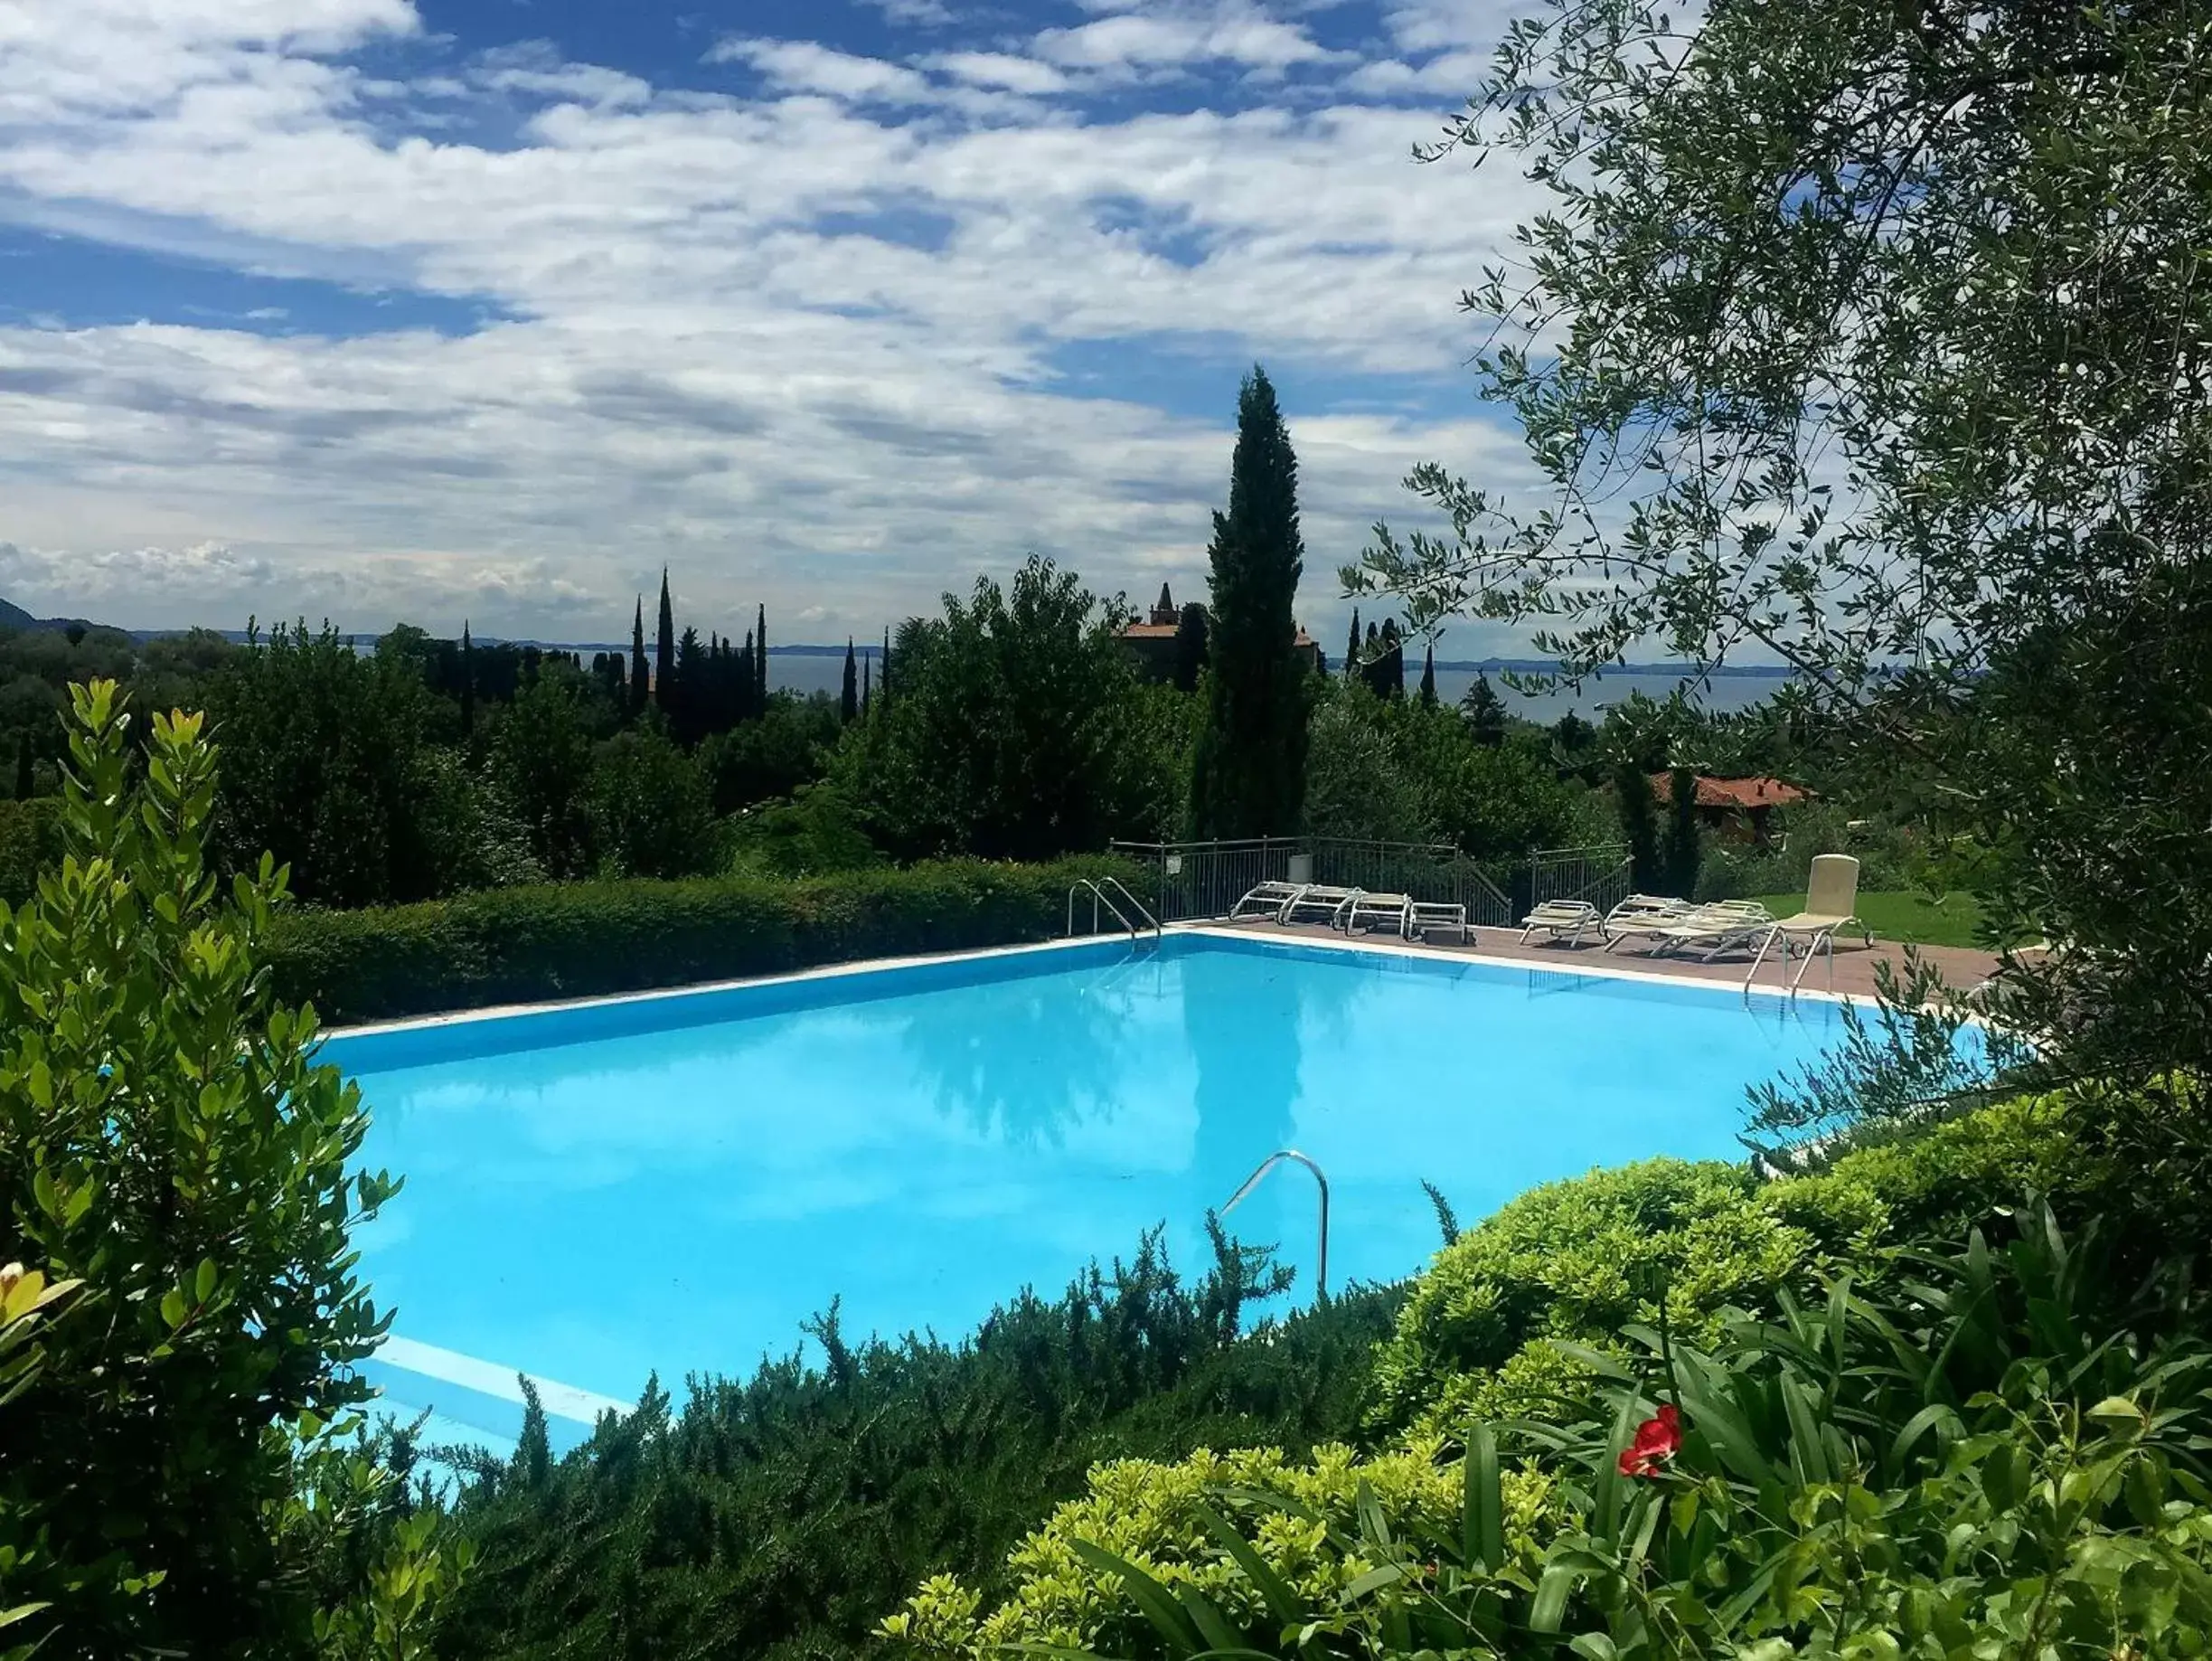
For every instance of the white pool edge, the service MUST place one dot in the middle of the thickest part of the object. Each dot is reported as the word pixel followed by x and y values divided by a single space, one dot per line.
pixel 1365 944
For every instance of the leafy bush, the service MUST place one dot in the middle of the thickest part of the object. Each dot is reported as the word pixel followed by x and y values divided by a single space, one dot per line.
pixel 1886 858
pixel 179 1315
pixel 578 939
pixel 1986 1459
pixel 785 1515
pixel 1481 1332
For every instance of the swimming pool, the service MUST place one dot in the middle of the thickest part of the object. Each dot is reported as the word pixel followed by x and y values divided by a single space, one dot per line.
pixel 674 1183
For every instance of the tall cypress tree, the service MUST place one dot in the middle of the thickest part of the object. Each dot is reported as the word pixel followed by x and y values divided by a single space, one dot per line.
pixel 886 676
pixel 760 662
pixel 1392 684
pixel 1639 825
pixel 867 685
pixel 1429 676
pixel 468 681
pixel 1351 648
pixel 638 679
pixel 664 654
pixel 746 680
pixel 1248 772
pixel 685 701
pixel 849 706
pixel 1682 852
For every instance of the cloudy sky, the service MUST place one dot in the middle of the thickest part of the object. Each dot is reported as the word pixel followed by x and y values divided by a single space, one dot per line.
pixel 431 308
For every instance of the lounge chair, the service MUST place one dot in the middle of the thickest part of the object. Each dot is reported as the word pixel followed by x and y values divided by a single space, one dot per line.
pixel 1268 899
pixel 1567 919
pixel 1396 909
pixel 1832 901
pixel 1319 897
pixel 1436 914
pixel 1640 913
pixel 1722 925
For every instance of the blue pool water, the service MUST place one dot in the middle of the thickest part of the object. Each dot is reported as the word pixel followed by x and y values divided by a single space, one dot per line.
pixel 676 1183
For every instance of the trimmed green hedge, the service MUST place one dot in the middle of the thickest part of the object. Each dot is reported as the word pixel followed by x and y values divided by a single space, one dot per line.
pixel 580 939
pixel 30 840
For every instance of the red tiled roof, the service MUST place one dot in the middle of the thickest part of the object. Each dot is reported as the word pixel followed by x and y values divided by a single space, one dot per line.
pixel 1733 792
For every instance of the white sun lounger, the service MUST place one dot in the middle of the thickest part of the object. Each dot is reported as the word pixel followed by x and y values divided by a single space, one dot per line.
pixel 1567 919
pixel 1437 914
pixel 1722 925
pixel 1396 909
pixel 1268 899
pixel 1640 912
pixel 1330 903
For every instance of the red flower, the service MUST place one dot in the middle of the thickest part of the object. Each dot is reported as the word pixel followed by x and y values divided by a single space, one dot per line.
pixel 1656 1439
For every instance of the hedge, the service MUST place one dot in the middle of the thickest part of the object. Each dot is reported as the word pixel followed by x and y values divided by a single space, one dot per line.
pixel 580 939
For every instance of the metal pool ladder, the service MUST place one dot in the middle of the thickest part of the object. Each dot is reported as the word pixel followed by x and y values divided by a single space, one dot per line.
pixel 1100 897
pixel 1321 1271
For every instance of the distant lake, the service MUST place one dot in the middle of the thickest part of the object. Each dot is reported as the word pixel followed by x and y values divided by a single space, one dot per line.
pixel 805 674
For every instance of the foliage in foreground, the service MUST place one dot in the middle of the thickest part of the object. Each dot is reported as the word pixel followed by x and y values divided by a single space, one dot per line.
pixel 1481 1334
pixel 785 1514
pixel 179 1312
pixel 1977 1455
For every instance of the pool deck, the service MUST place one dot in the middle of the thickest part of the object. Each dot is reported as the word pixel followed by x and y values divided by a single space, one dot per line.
pixel 1855 962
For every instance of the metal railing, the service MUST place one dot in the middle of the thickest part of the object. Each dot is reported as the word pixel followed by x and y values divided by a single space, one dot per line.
pixel 1197 880
pixel 1101 898
pixel 1602 875
pixel 1321 1268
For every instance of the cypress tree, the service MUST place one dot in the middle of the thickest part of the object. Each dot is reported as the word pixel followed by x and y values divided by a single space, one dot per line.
pixel 746 680
pixel 26 768
pixel 637 660
pixel 886 676
pixel 1429 676
pixel 760 662
pixel 468 681
pixel 684 701
pixel 1370 660
pixel 664 655
pixel 1639 829
pixel 1191 645
pixel 1392 684
pixel 1682 850
pixel 849 706
pixel 1248 771
pixel 867 684
pixel 1351 646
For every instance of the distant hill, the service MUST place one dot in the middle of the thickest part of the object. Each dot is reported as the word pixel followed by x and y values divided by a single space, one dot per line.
pixel 12 615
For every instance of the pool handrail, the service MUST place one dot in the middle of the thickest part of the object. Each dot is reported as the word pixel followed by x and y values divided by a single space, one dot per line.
pixel 1100 897
pixel 1321 1270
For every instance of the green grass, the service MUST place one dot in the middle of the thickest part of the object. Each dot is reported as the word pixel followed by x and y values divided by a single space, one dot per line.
pixel 1906 915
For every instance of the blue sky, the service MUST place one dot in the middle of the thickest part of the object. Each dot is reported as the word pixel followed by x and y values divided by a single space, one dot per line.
pixel 441 309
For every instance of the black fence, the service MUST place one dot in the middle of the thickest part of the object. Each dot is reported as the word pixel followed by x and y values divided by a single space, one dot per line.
pixel 1194 881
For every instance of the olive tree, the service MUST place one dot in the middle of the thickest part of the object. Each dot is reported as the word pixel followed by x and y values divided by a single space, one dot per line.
pixel 1872 336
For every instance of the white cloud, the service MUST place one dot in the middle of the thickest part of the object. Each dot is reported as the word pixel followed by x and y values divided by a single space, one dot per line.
pixel 696 365
pixel 805 66
pixel 1001 70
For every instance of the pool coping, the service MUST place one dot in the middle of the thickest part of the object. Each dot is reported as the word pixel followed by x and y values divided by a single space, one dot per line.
pixel 1213 929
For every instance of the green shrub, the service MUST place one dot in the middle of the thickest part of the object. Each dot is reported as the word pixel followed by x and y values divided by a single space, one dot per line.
pixel 29 841
pixel 783 1516
pixel 1989 1460
pixel 1567 1263
pixel 578 939
pixel 180 1318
